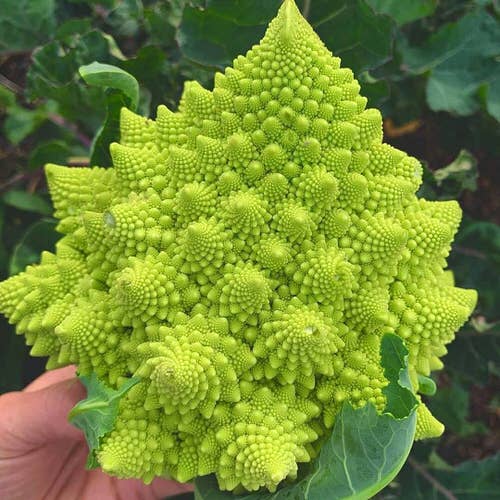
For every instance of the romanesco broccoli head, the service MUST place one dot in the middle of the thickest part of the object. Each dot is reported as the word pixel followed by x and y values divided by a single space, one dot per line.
pixel 243 257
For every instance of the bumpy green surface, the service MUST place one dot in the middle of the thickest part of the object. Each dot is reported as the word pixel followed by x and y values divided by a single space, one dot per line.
pixel 244 256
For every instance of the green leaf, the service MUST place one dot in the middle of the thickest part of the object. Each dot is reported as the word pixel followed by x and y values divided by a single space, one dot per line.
pixel 477 247
pixel 182 496
pixel 364 452
pixel 214 35
pixel 72 26
pixel 426 385
pixel 353 32
pixel 38 237
pixel 471 480
pixel 22 122
pixel 474 357
pixel 24 24
pixel 153 72
pixel 126 17
pixel 30 202
pixel 399 393
pixel 481 325
pixel 106 75
pixel 461 173
pixel 448 183
pixel 122 91
pixel 437 462
pixel 161 21
pixel 110 131
pixel 376 91
pixel 53 74
pixel 7 99
pixel 404 11
pixel 49 152
pixel 460 59
pixel 96 414
pixel 12 346
pixel 450 405
pixel 493 98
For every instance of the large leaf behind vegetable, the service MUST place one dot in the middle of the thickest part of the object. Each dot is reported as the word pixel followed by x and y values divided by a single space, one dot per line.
pixel 39 236
pixel 214 35
pixel 365 450
pixel 404 11
pixel 462 62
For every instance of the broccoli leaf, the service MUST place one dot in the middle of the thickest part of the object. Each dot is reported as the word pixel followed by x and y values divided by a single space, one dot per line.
pixel 216 33
pixel 95 415
pixel 477 247
pixel 53 75
pixel 41 235
pixel 24 23
pixel 451 406
pixel 426 385
pixel 365 450
pixel 122 91
pixel 213 36
pixel 107 75
pixel 404 11
pixel 30 202
pixel 400 398
pixel 461 60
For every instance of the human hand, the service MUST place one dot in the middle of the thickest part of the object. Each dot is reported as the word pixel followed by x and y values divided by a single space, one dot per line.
pixel 42 456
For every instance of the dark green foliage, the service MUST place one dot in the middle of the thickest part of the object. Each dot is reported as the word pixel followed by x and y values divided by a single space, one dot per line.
pixel 471 480
pixel 25 23
pixel 477 247
pixel 461 60
pixel 404 11
pixel 431 66
pixel 122 90
pixel 215 35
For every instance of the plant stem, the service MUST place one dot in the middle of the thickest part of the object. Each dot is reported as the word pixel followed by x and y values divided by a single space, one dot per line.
pixel 431 479
pixel 61 122
pixel 9 84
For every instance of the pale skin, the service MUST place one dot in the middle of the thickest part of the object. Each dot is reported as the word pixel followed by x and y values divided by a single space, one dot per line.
pixel 43 457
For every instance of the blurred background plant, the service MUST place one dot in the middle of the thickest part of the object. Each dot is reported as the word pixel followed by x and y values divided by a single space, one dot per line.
pixel 431 66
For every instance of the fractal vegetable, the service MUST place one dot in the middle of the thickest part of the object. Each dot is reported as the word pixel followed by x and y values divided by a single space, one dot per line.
pixel 234 272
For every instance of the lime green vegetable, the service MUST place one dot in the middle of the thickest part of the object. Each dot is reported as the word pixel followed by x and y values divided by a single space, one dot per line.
pixel 243 258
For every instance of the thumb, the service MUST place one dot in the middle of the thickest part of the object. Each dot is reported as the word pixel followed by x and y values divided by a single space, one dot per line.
pixel 31 419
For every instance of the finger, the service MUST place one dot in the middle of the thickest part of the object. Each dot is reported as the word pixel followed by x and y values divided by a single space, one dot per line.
pixel 51 377
pixel 31 419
